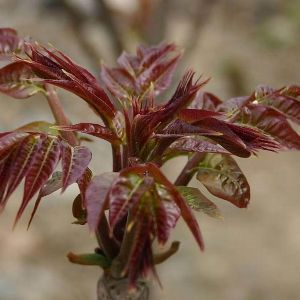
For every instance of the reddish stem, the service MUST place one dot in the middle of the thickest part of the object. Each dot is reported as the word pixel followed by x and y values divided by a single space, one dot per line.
pixel 188 171
pixel 59 115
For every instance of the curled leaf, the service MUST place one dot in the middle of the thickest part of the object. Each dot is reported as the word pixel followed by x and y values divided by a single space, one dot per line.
pixel 17 80
pixel 222 177
pixel 78 210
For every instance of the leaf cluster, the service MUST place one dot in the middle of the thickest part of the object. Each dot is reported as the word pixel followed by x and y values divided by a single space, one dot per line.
pixel 136 205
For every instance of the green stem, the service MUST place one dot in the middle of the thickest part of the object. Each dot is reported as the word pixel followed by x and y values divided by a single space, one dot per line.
pixel 58 113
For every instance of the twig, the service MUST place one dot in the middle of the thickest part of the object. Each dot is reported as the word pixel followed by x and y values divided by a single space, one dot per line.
pixel 188 171
pixel 104 15
pixel 58 113
pixel 78 20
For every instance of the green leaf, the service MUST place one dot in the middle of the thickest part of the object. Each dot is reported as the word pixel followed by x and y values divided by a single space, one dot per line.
pixel 39 126
pixel 221 175
pixel 199 202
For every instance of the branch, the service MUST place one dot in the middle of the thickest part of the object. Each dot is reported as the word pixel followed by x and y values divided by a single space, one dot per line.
pixel 188 171
pixel 78 20
pixel 203 13
pixel 105 17
pixel 58 113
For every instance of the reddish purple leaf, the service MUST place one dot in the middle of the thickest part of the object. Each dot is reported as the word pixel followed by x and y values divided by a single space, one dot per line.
pixel 206 101
pixel 183 96
pixel 118 81
pixel 140 259
pixel 152 67
pixel 234 105
pixel 10 43
pixel 23 157
pixel 194 115
pixel 190 144
pixel 285 100
pixel 17 80
pixel 166 215
pixel 92 129
pixel 124 194
pixel 9 140
pixel 40 170
pixel 75 161
pixel 96 197
pixel 221 175
pixel 238 139
pixel 186 212
pixel 83 183
pixel 4 178
pixel 272 123
pixel 78 211
pixel 51 186
pixel 180 128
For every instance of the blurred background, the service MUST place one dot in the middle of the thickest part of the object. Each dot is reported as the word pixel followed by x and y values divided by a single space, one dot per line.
pixel 253 254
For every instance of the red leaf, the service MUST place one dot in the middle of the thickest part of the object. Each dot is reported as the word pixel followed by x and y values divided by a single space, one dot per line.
pixel 10 43
pixel 206 101
pixel 273 123
pixel 183 96
pixel 221 175
pixel 83 183
pixel 4 177
pixel 181 128
pixel 23 157
pixel 285 100
pixel 237 139
pixel 124 194
pixel 40 170
pixel 190 144
pixel 9 140
pixel 153 66
pixel 117 81
pixel 96 197
pixel 176 197
pixel 51 186
pixel 194 115
pixel 140 259
pixel 75 161
pixel 59 70
pixel 92 129
pixel 166 216
pixel 160 75
pixel 16 80
pixel 234 105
